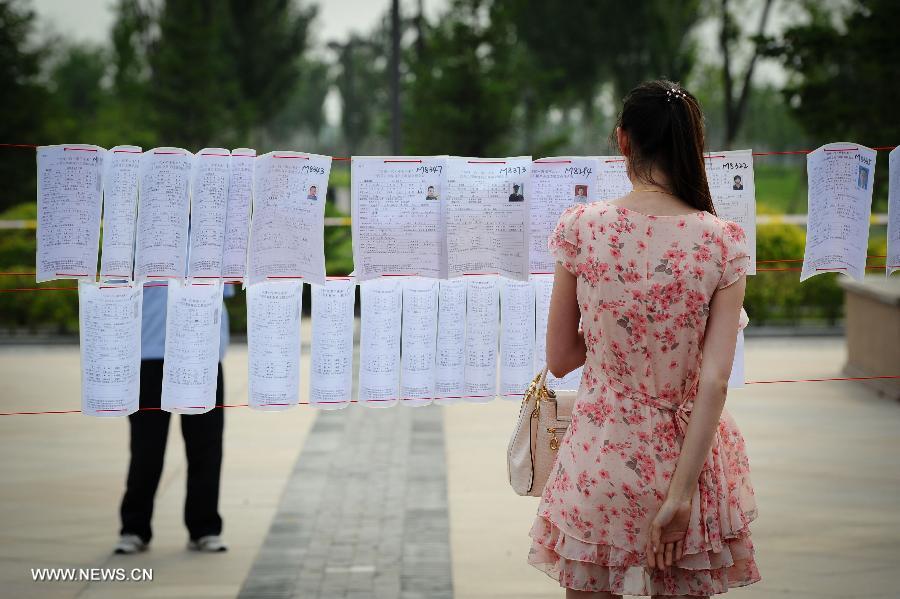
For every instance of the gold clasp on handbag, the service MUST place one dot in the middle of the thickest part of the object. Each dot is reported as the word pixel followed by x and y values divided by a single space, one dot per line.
pixel 554 442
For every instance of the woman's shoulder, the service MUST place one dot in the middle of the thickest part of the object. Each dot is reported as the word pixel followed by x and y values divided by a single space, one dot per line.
pixel 719 225
pixel 581 212
pixel 592 210
pixel 730 230
pixel 728 235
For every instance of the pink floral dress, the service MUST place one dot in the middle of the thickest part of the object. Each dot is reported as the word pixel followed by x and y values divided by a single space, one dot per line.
pixel 644 289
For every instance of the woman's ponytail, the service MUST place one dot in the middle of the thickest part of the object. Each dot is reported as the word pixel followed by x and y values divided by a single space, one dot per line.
pixel 664 124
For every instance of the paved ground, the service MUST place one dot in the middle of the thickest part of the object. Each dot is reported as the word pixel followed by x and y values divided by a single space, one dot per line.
pixel 413 502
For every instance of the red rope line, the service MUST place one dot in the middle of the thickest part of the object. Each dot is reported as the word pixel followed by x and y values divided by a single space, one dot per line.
pixel 349 401
pixel 840 378
pixel 342 278
pixel 339 158
pixel 233 281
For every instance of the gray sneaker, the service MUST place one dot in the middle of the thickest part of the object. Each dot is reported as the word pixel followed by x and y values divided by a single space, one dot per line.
pixel 208 544
pixel 129 544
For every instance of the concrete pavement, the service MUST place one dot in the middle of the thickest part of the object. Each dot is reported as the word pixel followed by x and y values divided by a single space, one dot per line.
pixel 369 503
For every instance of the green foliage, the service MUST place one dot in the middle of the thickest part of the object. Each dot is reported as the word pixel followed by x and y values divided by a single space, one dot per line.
pixel 304 107
pixel 22 98
pixel 771 295
pixel 192 85
pixel 464 92
pixel 636 40
pixel 778 297
pixel 49 312
pixel 265 44
pixel 844 79
pixel 361 82
pixel 338 245
pixel 780 186
pixel 78 96
pixel 485 75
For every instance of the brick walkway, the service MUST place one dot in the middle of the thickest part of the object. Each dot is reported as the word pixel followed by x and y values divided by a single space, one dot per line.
pixel 364 513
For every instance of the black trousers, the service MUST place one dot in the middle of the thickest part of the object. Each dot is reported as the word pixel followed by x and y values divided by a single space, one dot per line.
pixel 203 445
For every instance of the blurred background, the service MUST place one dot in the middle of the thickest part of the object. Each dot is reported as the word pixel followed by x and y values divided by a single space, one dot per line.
pixel 464 77
pixel 364 503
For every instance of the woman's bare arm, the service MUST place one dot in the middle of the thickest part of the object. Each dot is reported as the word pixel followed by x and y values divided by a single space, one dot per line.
pixel 665 542
pixel 718 355
pixel 565 344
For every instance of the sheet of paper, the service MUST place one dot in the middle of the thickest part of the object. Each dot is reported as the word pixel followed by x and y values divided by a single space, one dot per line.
pixel 517 333
pixel 209 205
pixel 121 168
pixel 190 368
pixel 109 325
pixel 273 344
pixel 397 215
pixel 331 364
pixel 736 380
pixel 840 177
pixel 487 216
pixel 893 240
pixel 556 184
pixel 731 183
pixel 419 340
pixel 237 220
pixel 543 289
pixel 614 181
pixel 450 363
pixel 69 198
pixel 164 211
pixel 381 306
pixel 482 336
pixel 287 228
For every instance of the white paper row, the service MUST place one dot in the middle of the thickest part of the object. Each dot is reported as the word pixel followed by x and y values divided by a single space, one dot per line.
pixel 421 341
pixel 431 216
pixel 171 214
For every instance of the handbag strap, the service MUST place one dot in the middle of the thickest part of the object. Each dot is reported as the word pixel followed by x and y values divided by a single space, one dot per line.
pixel 542 380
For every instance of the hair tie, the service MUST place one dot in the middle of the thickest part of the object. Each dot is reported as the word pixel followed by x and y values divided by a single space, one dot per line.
pixel 674 92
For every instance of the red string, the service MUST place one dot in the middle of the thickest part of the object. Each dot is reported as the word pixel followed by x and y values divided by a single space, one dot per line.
pixel 39 289
pixel 841 378
pixel 349 401
pixel 339 158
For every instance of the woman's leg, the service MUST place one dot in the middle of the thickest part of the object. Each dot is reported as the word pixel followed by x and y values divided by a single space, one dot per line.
pixel 573 594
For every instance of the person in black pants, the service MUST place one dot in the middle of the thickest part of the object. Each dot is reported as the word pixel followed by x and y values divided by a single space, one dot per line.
pixel 149 428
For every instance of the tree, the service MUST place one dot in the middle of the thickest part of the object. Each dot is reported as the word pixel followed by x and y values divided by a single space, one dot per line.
pixel 192 82
pixel 128 117
pixel 844 78
pixel 79 96
pixel 735 97
pixel 463 93
pixel 843 83
pixel 595 41
pixel 303 110
pixel 361 82
pixel 266 45
pixel 22 101
pixel 591 50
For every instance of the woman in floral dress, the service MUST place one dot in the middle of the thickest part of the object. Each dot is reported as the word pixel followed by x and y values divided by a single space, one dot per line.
pixel 651 493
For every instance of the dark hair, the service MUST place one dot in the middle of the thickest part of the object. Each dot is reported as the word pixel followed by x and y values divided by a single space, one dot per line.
pixel 664 124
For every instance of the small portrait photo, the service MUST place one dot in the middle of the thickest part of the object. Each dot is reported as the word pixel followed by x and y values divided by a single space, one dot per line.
pixel 432 193
pixel 581 192
pixel 862 181
pixel 313 193
pixel 738 183
pixel 516 195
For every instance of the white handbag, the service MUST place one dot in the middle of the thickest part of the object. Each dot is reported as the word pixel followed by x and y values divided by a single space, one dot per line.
pixel 543 420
